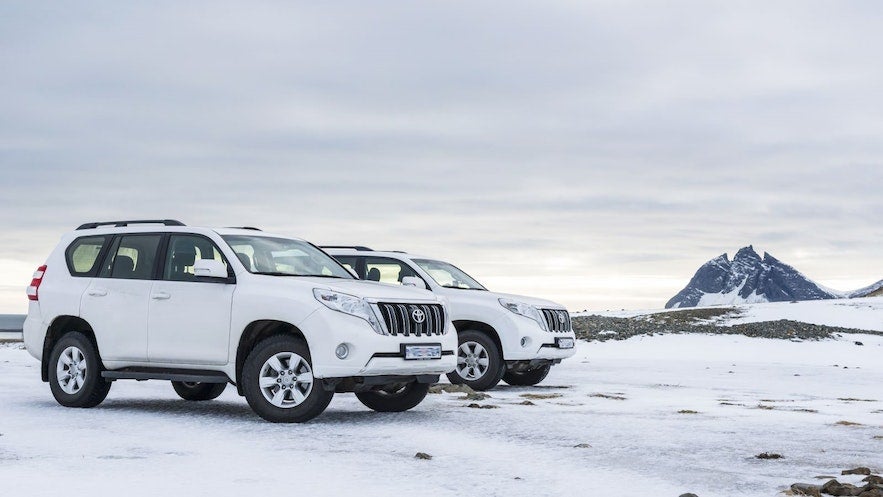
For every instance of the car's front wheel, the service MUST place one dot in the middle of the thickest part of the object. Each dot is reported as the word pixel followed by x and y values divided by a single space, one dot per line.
pixel 75 372
pixel 479 361
pixel 395 398
pixel 198 391
pixel 528 377
pixel 278 381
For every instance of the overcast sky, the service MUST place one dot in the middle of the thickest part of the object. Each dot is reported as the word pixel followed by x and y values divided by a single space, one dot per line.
pixel 594 153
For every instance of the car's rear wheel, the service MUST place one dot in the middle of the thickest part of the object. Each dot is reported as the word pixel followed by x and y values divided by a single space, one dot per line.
pixel 527 377
pixel 197 391
pixel 395 398
pixel 278 381
pixel 75 372
pixel 479 361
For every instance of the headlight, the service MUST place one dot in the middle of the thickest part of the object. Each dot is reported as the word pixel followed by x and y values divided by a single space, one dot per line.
pixel 525 310
pixel 349 304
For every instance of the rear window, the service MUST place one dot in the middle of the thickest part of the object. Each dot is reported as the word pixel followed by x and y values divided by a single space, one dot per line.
pixel 82 255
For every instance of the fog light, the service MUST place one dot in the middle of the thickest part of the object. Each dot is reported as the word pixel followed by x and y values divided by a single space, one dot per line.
pixel 524 341
pixel 342 351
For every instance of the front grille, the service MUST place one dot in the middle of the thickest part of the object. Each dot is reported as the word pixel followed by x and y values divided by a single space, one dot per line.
pixel 400 319
pixel 557 320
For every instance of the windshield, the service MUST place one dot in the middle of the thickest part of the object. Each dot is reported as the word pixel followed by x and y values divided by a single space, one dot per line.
pixel 284 257
pixel 448 275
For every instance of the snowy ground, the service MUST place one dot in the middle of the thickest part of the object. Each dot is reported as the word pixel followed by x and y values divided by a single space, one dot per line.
pixel 621 397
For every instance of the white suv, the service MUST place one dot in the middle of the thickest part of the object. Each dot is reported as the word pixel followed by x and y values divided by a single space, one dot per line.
pixel 509 337
pixel 276 317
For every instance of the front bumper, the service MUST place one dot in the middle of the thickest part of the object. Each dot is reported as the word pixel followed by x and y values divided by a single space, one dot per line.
pixel 526 341
pixel 370 354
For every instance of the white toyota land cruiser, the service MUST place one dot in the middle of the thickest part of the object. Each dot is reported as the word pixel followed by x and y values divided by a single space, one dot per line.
pixel 276 317
pixel 509 337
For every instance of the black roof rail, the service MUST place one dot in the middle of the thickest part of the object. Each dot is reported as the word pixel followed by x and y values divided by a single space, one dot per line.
pixel 252 228
pixel 354 247
pixel 118 224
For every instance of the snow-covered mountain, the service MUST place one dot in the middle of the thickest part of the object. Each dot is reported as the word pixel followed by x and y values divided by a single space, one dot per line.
pixel 748 278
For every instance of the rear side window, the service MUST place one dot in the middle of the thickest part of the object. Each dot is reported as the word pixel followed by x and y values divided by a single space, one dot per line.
pixel 82 255
pixel 132 257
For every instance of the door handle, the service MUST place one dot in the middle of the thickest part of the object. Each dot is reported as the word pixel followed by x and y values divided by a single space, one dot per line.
pixel 97 292
pixel 161 296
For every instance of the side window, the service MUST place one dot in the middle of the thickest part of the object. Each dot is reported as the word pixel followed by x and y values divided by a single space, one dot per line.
pixel 82 255
pixel 132 257
pixel 386 270
pixel 184 251
pixel 350 263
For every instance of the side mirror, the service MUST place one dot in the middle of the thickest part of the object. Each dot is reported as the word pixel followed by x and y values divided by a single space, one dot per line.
pixel 210 268
pixel 414 281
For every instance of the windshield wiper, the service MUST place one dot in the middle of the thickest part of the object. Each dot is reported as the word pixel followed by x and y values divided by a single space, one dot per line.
pixel 464 288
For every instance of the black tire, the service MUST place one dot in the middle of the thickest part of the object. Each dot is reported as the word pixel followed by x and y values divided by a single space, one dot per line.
pixel 495 368
pixel 527 378
pixel 198 391
pixel 93 388
pixel 316 399
pixel 397 398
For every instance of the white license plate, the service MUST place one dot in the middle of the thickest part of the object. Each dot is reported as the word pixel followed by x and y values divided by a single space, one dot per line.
pixel 422 352
pixel 565 343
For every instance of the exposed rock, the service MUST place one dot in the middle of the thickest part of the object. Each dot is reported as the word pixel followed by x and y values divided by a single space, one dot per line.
pixel 422 455
pixel 607 396
pixel 700 321
pixel 688 411
pixel 834 487
pixel 440 387
pixel 526 403
pixel 769 455
pixel 856 471
pixel 475 396
pixel 876 480
pixel 847 423
pixel 582 446
pixel 480 406
pixel 859 343
pixel 806 489
pixel 689 495
pixel 541 396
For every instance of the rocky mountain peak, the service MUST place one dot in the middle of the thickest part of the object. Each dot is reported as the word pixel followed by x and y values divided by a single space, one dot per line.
pixel 748 278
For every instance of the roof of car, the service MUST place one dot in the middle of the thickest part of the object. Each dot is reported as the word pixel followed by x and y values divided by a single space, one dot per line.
pixel 369 252
pixel 159 227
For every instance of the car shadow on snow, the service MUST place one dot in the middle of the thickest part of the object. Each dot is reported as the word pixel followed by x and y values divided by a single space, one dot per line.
pixel 240 411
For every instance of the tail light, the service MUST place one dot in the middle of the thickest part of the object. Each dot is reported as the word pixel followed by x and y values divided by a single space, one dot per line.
pixel 35 283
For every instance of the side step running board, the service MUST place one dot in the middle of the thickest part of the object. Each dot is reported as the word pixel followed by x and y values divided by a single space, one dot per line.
pixel 189 375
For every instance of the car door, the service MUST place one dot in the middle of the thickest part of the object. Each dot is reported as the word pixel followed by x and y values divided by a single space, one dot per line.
pixel 115 302
pixel 189 320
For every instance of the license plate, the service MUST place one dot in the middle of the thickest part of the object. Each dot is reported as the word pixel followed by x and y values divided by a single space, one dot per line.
pixel 422 352
pixel 565 343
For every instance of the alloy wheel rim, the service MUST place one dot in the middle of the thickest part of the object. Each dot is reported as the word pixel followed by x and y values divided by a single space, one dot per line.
pixel 286 380
pixel 70 370
pixel 472 360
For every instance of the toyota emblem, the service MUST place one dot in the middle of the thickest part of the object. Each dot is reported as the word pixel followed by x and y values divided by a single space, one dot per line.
pixel 418 315
pixel 562 318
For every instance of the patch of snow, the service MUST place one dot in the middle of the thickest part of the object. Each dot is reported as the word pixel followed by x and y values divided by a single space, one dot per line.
pixel 860 313
pixel 620 397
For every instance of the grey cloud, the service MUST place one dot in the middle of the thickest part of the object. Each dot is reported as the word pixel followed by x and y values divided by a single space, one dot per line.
pixel 577 140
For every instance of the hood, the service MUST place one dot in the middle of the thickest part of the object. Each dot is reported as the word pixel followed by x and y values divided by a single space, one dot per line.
pixel 495 296
pixel 373 289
